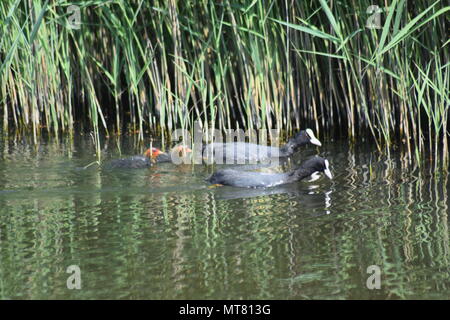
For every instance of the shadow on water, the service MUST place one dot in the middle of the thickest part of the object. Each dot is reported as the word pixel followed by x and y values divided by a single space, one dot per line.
pixel 164 233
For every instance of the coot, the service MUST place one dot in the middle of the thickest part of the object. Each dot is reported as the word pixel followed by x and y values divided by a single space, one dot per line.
pixel 136 162
pixel 241 152
pixel 160 156
pixel 150 157
pixel 246 179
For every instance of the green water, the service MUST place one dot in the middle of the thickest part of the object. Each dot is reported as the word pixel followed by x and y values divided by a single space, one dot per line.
pixel 163 233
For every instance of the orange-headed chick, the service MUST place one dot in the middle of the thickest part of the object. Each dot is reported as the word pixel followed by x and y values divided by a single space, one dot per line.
pixel 153 153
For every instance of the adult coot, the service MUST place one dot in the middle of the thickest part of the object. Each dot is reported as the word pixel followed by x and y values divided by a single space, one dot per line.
pixel 246 179
pixel 241 152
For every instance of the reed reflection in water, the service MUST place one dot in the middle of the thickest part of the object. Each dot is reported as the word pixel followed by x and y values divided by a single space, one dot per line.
pixel 164 233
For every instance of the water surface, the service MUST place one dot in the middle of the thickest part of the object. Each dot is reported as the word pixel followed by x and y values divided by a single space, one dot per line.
pixel 164 233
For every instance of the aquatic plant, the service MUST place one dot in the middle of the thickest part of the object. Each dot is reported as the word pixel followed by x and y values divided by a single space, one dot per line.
pixel 341 67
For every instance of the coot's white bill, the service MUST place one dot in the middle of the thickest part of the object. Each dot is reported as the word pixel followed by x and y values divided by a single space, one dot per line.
pixel 313 138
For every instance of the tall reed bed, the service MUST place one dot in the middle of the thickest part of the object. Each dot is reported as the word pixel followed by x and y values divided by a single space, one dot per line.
pixel 136 66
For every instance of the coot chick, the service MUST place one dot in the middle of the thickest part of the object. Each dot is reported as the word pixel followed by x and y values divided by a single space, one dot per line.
pixel 150 157
pixel 166 157
pixel 246 179
pixel 136 162
pixel 241 152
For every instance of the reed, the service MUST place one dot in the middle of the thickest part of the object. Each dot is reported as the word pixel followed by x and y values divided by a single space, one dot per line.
pixel 152 66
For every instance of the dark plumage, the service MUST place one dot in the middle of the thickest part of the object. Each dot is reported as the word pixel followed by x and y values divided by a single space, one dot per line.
pixel 241 152
pixel 135 162
pixel 246 179
pixel 150 157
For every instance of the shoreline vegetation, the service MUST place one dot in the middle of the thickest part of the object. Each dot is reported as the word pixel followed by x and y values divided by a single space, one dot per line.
pixel 342 68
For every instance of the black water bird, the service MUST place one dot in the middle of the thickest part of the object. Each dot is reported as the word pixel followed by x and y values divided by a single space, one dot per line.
pixel 247 179
pixel 242 152
pixel 149 158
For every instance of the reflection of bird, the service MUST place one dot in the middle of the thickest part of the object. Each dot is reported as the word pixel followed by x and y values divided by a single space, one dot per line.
pixel 150 157
pixel 242 152
pixel 248 179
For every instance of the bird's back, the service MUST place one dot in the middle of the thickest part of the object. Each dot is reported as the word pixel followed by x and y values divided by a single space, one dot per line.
pixel 135 162
pixel 247 179
pixel 240 152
